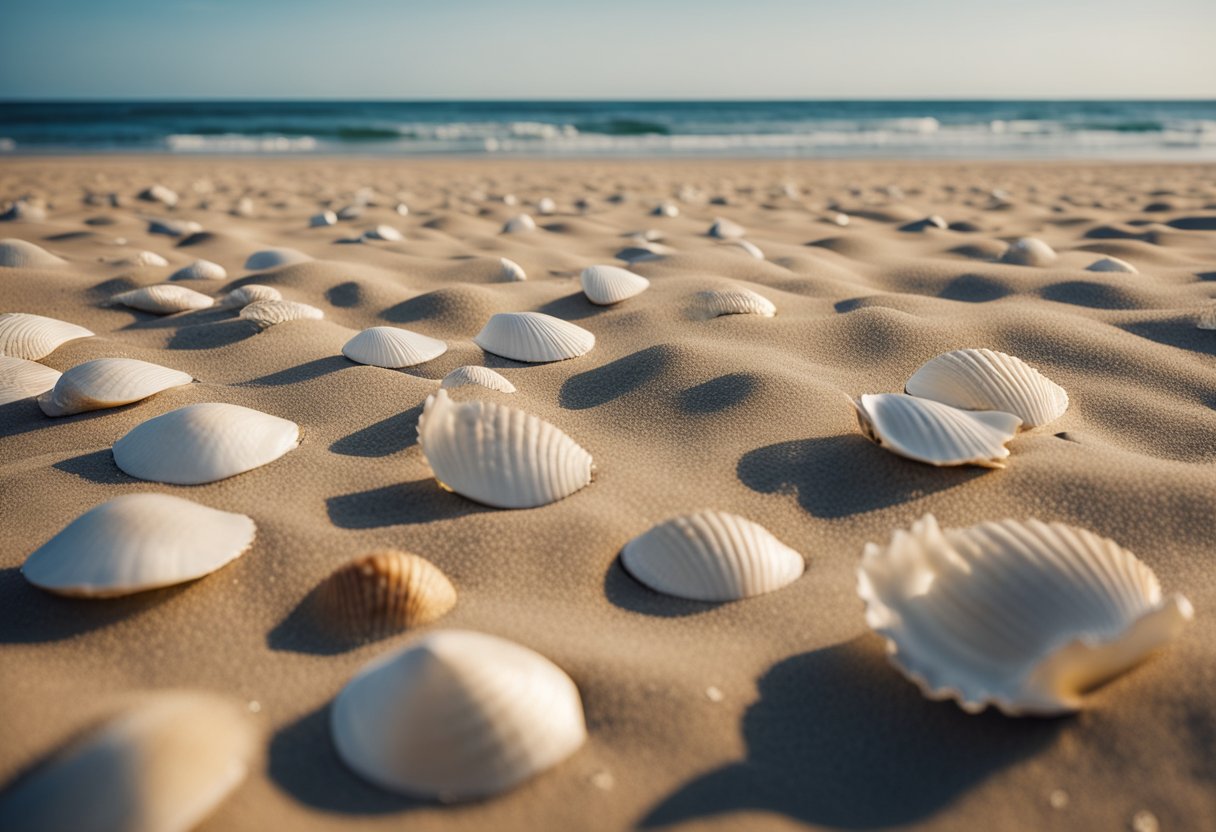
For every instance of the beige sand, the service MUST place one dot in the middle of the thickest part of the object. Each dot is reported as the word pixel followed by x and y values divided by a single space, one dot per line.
pixel 739 413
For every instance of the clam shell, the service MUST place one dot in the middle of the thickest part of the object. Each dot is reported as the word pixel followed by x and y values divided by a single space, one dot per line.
pixel 200 270
pixel 23 379
pixel 519 224
pixel 384 232
pixel 711 556
pixel 165 299
pixel 1029 251
pixel 981 379
pixel 383 592
pixel 138 542
pixel 32 337
pixel 322 219
pixel 498 455
pixel 724 229
pixel 388 346
pixel 159 193
pixel 606 285
pixel 1026 616
pixel 1111 264
pixel 18 254
pixel 249 293
pixel 511 271
pixel 750 248
pixel 936 433
pixel 1207 317
pixel 272 258
pixel 267 313
pixel 108 382
pixel 203 443
pixel 737 301
pixel 144 258
pixel 533 337
pixel 457 715
pixel 483 376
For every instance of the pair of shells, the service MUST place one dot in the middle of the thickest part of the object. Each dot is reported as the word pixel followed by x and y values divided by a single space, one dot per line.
pixel 1026 616
pixel 533 337
pixel 242 296
pixel 480 376
pixel 33 337
pixel 200 270
pixel 733 301
pixel 606 285
pixel 18 254
pixel 393 348
pixel 108 382
pixel 166 299
pixel 381 593
pixel 23 379
pixel 267 313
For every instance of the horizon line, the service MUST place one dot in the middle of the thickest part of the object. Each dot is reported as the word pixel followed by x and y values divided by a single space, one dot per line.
pixel 595 100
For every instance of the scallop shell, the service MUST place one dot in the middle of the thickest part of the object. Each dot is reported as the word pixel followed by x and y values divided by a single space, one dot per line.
pixel 737 301
pixel 519 224
pixel 272 258
pixel 159 193
pixel 1029 251
pixel 533 337
pixel 1026 616
pixel 249 293
pixel 750 248
pixel 711 556
pixel 383 592
pixel 322 219
pixel 18 254
pixel 200 270
pixel 108 382
pixel 23 379
pixel 165 299
pixel 932 432
pixel 457 715
pixel 174 228
pixel 483 376
pixel 32 337
pixel 203 443
pixel 511 271
pixel 384 232
pixel 266 313
pixel 1111 264
pixel 138 542
pixel 981 379
pixel 1207 317
pixel 498 455
pixel 388 346
pixel 606 285
pixel 724 229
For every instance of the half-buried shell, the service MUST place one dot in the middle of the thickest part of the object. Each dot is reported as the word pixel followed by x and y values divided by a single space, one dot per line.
pixel 23 379
pixel 510 271
pixel 391 347
pixel 242 296
pixel 982 379
pixel 381 593
pixel 735 301
pixel 1029 251
pixel 482 376
pixel 33 337
pixel 18 254
pixel 108 382
pixel 164 300
pixel 200 270
pixel 533 337
pixel 936 433
pixel 267 313
pixel 606 285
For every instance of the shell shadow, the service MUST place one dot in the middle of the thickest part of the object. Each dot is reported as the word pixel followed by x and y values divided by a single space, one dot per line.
pixel 211 335
pixel 1181 334
pixel 1088 294
pixel 572 307
pixel 420 501
pixel 974 288
pixel 718 394
pixel 615 379
pixel 388 436
pixel 97 466
pixel 303 372
pixel 22 416
pixel 345 295
pixel 180 320
pixel 623 591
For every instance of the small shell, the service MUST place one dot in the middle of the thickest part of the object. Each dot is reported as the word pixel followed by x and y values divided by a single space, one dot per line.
pixel 545 206
pixel 533 337
pixel 32 337
pixel 748 247
pixel 108 382
pixel 144 258
pixel 839 219
pixel 388 346
pixel 737 301
pixel 272 258
pixel 383 592
pixel 23 379
pixel 482 376
pixel 711 556
pixel 384 232
pixel 498 455
pixel 511 271
pixel 932 221
pixel 266 313
pixel 243 207
pixel 606 285
pixel 457 715
pixel 932 432
pixel 159 193
pixel 666 209
pixel 203 443
pixel 322 219
pixel 1111 264
pixel 1029 251
pixel 402 209
pixel 165 299
pixel 981 379
pixel 22 211
pixel 350 212
pixel 200 270
pixel 724 229
pixel 519 224
pixel 1026 616
pixel 138 542
pixel 1207 317
pixel 174 228
pixel 18 254
pixel 247 294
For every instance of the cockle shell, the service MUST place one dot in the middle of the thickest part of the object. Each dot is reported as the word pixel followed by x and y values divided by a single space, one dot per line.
pixel 606 285
pixel 932 432
pixel 322 219
pixel 203 443
pixel 138 542
pixel 272 258
pixel 18 254
pixel 266 313
pixel 1207 317
pixel 533 337
pixel 249 293
pixel 391 347
pixel 482 376
pixel 519 224
pixel 711 556
pixel 159 193
pixel 457 715
pixel 165 299
pixel 383 592
pixel 736 301
pixel 1029 251
pixel 174 228
pixel 200 270
pixel 384 232
pixel 725 229
pixel 1111 264
pixel 22 379
pixel 498 455
pixel 982 379
pixel 108 382
pixel 511 271
pixel 32 337
pixel 1026 616
pixel 748 247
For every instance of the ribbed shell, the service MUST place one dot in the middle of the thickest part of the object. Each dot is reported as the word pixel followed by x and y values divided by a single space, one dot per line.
pixel 519 224
pixel 936 433
pixel 200 270
pixel 1111 264
pixel 724 229
pixel 606 285
pixel 18 254
pixel 22 211
pixel 164 300
pixel 384 232
pixel 511 271
pixel 388 346
pixel 738 301
pixel 266 313
pixel 32 337
pixel 533 337
pixel 1207 317
pixel 457 716
pixel 203 443
pixel 138 542
pixel 322 219
pixel 272 258
pixel 23 379
pixel 711 556
pixel 498 455
pixel 1027 616
pixel 482 376
pixel 383 592
pixel 108 382
pixel 247 294
pixel 982 379
pixel 1029 251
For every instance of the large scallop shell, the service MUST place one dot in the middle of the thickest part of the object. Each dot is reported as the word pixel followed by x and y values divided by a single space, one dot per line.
pixel 498 455
pixel 510 271
pixel 138 542
pixel 108 382
pixel 711 556
pixel 736 301
pixel 1029 251
pixel 18 254
pixel 982 379
pixel 200 270
pixel 242 296
pixel 457 715
pixel 202 443
pixel 267 313
pixel 272 258
pixel 1026 616
pixel 22 379
pixel 936 433
pixel 164 300
pixel 391 347
pixel 606 285
pixel 533 337
pixel 32 337
pixel 519 224
pixel 483 376
pixel 383 592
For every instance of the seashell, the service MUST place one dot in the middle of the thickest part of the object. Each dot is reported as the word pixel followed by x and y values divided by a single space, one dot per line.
pixel 457 715
pixel 1207 318
pixel 143 258
pixel 161 765
pixel 402 209
pixel 750 248
pixel 545 206
pixel 174 228
pixel 159 193
pixel 18 254
pixel 32 337
pixel 322 219
pixel 1111 264
pixel 932 432
pixel 483 376
pixel 388 346
pixel 724 229
pixel 202 443
pixel 498 455
pixel 1028 251
pixel 247 294
pixel 272 258
pixel 165 299
pixel 736 301
pixel 243 207
pixel 23 379
pixel 384 232
pixel 606 285
pixel 643 252
pixel 932 221
pixel 839 219
pixel 980 379
pixel 510 272
pixel 1026 616
pixel 200 270
pixel 22 211
pixel 138 542
pixel 518 224
pixel 267 313
pixel 711 556
pixel 108 382
pixel 666 209
pixel 383 592
pixel 350 212
pixel 533 337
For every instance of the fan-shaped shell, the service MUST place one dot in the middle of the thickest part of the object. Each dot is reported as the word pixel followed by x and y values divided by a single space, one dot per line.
pixel 22 379
pixel 138 542
pixel 724 229
pixel 383 592
pixel 18 254
pixel 108 382
pixel 606 285
pixel 510 271
pixel 519 224
pixel 272 258
pixel 200 270
pixel 32 337
pixel 1027 616
pixel 711 556
pixel 1029 251
pixel 163 300
pixel 322 219
pixel 982 379
pixel 266 313
pixel 737 301
pixel 482 376
pixel 159 193
pixel 457 716
pixel 533 337
pixel 1111 264
pixel 384 232
pixel 203 443
pixel 932 432
pixel 249 293
pixel 498 455
pixel 388 346
pixel 1207 317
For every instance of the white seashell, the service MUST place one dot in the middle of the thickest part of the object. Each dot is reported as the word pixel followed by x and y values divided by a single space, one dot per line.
pixel 143 258
pixel 138 542
pixel 470 374
pixel 724 229
pixel 498 455
pixel 1111 264
pixel 1207 317
pixel 533 337
pixel 839 219
pixel 457 715
pixel 981 379
pixel 174 228
pixel 159 193
pixel 32 337
pixel 18 254
pixel 932 432
pixel 23 379
pixel 1026 616
pixel 1028 251
pixel 545 206
pixel 750 248
pixel 266 313
pixel 162 765
pixel 203 443
pixel 402 209
pixel 511 272
pixel 388 346
pixel 108 382
pixel 243 207
pixel 666 209
pixel 322 219
pixel 200 270
pixel 606 285
pixel 272 258
pixel 518 224
pixel 22 211
pixel 165 299
pixel 384 232
pixel 247 294
pixel 737 301
pixel 711 556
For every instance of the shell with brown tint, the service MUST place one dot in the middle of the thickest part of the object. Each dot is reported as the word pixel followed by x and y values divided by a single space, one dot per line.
pixel 383 592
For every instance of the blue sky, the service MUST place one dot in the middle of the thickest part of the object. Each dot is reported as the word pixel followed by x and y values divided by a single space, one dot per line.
pixel 521 49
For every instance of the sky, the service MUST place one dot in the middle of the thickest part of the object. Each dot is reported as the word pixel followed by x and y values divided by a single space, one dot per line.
pixel 617 49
